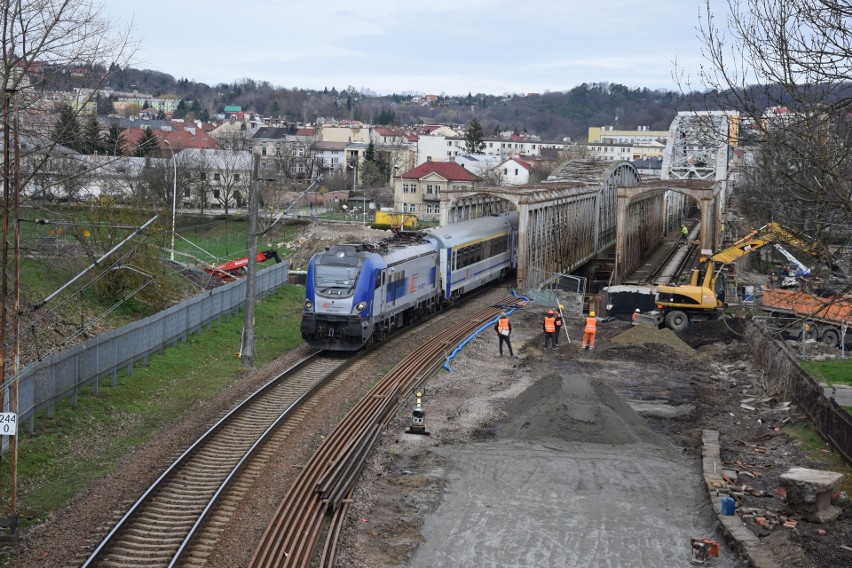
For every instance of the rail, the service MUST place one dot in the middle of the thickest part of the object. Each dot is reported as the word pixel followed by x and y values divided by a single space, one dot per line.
pixel 324 484
pixel 173 508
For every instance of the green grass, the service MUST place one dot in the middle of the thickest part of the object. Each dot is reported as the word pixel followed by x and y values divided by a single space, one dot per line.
pixel 52 467
pixel 832 372
pixel 219 239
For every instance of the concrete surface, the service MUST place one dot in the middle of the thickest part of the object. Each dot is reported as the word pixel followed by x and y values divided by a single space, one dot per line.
pixel 573 479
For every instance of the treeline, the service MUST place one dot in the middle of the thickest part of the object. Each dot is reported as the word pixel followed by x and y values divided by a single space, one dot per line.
pixel 550 115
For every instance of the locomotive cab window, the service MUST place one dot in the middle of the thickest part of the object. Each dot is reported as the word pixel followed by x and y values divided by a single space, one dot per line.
pixel 336 273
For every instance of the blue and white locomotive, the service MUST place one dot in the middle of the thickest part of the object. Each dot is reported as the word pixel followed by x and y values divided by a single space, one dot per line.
pixel 356 293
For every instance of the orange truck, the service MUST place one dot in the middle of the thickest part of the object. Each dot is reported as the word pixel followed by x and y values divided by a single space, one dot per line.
pixel 827 318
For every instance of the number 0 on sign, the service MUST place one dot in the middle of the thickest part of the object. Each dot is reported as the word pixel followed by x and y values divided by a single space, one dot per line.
pixel 8 424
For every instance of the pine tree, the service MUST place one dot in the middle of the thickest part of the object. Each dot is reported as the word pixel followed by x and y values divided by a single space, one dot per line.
pixel 473 137
pixel 113 142
pixel 92 139
pixel 147 144
pixel 67 130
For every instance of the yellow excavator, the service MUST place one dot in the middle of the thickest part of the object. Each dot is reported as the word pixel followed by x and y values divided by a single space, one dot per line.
pixel 704 296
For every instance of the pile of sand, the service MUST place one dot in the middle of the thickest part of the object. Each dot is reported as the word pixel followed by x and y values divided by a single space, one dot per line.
pixel 316 237
pixel 644 335
pixel 577 409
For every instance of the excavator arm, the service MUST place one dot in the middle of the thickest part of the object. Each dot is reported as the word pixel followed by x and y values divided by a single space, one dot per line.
pixel 758 238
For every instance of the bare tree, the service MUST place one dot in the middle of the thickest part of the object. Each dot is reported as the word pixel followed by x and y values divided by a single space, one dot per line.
pixel 200 178
pixel 785 65
pixel 41 41
pixel 231 178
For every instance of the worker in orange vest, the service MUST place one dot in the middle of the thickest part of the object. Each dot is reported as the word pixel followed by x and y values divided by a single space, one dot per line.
pixel 550 329
pixel 504 329
pixel 633 318
pixel 589 331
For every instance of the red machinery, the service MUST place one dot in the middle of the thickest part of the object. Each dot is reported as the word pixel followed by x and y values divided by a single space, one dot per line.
pixel 234 269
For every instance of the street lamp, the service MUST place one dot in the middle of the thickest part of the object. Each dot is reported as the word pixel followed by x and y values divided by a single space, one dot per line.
pixel 174 200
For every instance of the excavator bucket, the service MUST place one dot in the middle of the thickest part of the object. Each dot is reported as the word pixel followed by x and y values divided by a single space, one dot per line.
pixel 653 318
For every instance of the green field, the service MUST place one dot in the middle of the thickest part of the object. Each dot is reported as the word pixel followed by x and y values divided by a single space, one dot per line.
pixel 832 372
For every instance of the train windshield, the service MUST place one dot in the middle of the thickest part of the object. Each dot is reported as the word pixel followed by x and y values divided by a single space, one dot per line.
pixel 336 274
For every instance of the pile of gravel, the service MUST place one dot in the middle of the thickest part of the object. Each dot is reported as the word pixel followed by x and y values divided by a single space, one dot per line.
pixel 643 335
pixel 575 409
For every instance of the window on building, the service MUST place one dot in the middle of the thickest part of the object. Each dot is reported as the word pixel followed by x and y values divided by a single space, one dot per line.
pixel 428 208
pixel 516 171
pixel 202 175
pixel 215 177
pixel 236 177
pixel 215 194
pixel 505 171
pixel 263 150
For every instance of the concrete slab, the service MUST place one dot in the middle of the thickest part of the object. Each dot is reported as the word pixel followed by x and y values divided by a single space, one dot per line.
pixel 557 503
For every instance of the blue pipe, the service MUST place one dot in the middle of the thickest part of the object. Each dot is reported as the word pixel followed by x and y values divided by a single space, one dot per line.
pixel 478 331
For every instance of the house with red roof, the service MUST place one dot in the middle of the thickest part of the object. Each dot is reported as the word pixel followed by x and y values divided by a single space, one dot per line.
pixel 515 171
pixel 418 190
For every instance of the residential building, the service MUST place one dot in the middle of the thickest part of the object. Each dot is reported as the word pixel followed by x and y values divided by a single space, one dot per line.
pixel 515 171
pixel 418 190
pixel 221 177
pixel 641 135
pixel 439 147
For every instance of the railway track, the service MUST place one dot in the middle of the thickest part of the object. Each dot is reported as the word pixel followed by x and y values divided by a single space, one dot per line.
pixel 322 489
pixel 156 530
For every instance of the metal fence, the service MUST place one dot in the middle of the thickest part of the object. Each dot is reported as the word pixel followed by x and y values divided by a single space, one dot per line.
pixel 559 289
pixel 62 375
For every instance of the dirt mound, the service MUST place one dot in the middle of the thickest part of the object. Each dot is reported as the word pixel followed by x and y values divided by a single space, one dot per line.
pixel 576 409
pixel 713 331
pixel 317 237
pixel 643 335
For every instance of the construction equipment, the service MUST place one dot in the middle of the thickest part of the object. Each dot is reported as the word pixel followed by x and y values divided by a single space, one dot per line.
pixel 704 296
pixel 234 269
pixel 828 318
pixel 703 549
pixel 418 415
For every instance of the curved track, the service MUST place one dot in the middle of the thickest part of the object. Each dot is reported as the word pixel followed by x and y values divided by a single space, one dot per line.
pixel 156 529
pixel 324 484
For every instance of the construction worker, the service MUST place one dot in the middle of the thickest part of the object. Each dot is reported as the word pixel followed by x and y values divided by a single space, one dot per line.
pixel 684 232
pixel 550 329
pixel 633 317
pixel 558 322
pixel 504 329
pixel 589 331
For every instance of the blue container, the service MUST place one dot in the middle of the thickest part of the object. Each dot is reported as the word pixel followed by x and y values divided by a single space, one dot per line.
pixel 729 506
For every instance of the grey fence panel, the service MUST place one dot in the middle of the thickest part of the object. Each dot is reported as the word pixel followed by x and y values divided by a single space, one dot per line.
pixel 60 375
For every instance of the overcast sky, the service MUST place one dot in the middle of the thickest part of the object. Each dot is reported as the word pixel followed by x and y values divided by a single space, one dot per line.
pixel 437 47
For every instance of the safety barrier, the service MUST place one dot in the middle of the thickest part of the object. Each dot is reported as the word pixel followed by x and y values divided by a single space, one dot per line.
pixel 63 374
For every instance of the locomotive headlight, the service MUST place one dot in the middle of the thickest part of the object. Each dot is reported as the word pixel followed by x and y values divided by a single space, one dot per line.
pixel 309 305
pixel 359 307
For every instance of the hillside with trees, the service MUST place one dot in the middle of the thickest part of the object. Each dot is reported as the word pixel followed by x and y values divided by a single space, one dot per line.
pixel 551 115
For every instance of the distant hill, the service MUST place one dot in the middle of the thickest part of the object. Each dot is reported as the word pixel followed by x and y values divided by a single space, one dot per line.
pixel 550 115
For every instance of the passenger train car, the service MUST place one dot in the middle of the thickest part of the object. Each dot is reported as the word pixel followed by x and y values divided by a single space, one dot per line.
pixel 356 293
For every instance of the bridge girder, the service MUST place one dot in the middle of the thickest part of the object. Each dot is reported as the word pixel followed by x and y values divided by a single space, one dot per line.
pixel 563 223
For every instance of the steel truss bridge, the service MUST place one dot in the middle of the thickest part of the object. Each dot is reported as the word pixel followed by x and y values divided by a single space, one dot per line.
pixel 591 209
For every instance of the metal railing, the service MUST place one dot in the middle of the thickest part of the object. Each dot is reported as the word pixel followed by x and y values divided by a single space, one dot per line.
pixel 63 374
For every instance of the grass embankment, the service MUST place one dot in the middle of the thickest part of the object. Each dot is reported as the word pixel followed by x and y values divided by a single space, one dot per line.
pixel 52 467
pixel 832 372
